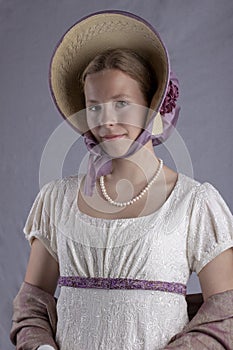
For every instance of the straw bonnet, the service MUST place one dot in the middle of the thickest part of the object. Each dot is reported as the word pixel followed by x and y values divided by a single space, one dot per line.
pixel 92 35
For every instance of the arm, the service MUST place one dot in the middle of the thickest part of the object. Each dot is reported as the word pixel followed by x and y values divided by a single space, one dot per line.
pixel 212 327
pixel 34 317
pixel 42 270
pixel 217 275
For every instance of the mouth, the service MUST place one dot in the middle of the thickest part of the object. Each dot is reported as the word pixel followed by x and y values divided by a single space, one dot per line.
pixel 112 137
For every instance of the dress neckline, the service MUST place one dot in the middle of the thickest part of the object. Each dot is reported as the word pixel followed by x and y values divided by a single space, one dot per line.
pixel 163 207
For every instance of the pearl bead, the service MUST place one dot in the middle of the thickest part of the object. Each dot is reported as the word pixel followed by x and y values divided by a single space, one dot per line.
pixel 124 204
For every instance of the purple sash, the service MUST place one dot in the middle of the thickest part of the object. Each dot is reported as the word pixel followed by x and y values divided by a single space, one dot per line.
pixel 120 283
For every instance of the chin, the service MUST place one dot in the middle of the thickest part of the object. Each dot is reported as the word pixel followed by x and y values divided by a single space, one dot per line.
pixel 116 148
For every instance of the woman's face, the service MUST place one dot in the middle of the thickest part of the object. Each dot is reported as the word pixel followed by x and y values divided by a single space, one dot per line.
pixel 116 109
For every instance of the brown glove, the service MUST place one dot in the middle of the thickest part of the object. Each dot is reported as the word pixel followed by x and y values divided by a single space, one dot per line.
pixel 211 328
pixel 34 318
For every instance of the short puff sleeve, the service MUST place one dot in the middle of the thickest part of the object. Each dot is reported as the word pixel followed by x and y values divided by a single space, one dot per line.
pixel 210 227
pixel 41 219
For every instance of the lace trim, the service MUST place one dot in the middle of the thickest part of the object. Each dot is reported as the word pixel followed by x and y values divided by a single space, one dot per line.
pixel 120 283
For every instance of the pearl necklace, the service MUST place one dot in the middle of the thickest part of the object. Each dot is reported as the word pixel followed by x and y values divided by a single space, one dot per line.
pixel 124 204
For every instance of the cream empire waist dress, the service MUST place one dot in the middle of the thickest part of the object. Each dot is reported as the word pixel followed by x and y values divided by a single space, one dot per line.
pixel 192 227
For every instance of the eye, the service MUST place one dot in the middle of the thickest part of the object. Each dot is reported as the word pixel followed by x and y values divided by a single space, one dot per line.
pixel 94 108
pixel 122 104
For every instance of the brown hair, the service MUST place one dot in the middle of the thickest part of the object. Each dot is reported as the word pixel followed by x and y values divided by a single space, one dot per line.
pixel 128 62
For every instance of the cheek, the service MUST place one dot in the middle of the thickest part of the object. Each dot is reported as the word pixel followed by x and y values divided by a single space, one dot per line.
pixel 93 123
pixel 135 120
pixel 134 131
pixel 93 129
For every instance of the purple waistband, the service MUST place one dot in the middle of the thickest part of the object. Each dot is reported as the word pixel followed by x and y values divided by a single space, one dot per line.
pixel 120 283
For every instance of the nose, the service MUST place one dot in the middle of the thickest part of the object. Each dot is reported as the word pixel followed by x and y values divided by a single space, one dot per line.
pixel 107 116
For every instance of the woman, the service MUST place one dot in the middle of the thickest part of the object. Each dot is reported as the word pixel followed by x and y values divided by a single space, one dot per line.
pixel 125 237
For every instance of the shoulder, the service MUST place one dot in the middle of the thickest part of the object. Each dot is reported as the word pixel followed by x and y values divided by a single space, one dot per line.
pixel 187 188
pixel 200 190
pixel 61 184
pixel 200 196
pixel 207 192
pixel 55 191
pixel 206 201
pixel 188 183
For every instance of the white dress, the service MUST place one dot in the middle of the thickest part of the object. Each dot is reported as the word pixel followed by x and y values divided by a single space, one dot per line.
pixel 192 227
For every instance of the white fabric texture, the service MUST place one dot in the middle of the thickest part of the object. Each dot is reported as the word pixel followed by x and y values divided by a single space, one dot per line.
pixel 192 227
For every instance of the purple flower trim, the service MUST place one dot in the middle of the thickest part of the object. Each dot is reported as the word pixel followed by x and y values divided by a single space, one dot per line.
pixel 120 283
pixel 169 102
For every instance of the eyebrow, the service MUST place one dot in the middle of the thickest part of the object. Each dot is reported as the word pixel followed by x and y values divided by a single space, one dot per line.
pixel 120 96
pixel 115 97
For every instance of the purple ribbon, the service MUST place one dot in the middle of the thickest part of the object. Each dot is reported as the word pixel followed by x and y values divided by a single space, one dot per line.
pixel 121 283
pixel 100 163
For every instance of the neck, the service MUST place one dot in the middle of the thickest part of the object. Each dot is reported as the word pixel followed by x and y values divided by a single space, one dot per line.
pixel 139 167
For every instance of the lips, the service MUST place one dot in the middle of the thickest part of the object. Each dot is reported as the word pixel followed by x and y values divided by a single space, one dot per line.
pixel 112 137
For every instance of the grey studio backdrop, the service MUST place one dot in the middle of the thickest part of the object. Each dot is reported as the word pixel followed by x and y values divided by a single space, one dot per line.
pixel 199 37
